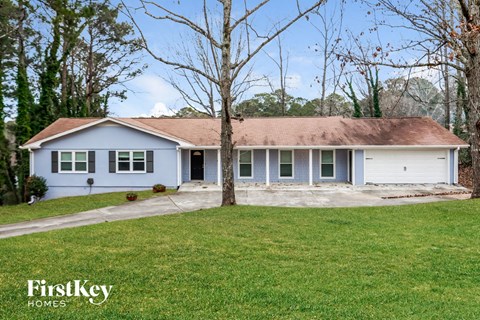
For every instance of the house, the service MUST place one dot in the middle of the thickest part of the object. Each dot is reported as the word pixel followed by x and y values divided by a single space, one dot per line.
pixel 93 155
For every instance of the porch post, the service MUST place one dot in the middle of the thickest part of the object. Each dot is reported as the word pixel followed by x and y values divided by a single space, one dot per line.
pixel 219 168
pixel 267 167
pixel 310 167
pixel 179 167
pixel 354 180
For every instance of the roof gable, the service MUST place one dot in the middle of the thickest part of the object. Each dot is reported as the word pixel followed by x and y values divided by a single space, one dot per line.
pixel 66 126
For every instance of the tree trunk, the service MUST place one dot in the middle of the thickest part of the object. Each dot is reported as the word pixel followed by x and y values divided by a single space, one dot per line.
pixel 89 76
pixel 473 80
pixel 64 84
pixel 228 192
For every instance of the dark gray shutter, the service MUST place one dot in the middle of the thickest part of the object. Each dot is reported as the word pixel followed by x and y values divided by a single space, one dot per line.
pixel 54 161
pixel 149 161
pixel 111 162
pixel 91 161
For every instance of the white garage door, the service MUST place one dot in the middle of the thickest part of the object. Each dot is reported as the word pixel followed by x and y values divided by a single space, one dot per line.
pixel 406 166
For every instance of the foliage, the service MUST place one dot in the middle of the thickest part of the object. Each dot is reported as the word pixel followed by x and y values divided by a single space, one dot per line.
pixel 159 188
pixel 357 109
pixel 25 105
pixel 269 105
pixel 37 186
pixel 375 93
pixel 403 262
pixel 131 196
pixel 68 205
pixel 189 112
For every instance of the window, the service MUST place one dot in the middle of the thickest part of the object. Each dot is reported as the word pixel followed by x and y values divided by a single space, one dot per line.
pixel 286 163
pixel 131 161
pixel 245 163
pixel 327 164
pixel 73 161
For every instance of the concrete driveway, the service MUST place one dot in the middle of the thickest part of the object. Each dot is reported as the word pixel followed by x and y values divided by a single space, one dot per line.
pixel 201 196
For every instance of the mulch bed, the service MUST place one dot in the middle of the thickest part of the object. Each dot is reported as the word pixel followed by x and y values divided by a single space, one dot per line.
pixel 428 194
pixel 465 176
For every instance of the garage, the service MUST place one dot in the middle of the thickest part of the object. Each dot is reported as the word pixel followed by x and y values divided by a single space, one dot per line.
pixel 406 166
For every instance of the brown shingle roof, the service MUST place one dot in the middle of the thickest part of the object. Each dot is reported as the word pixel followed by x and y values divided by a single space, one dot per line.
pixel 308 131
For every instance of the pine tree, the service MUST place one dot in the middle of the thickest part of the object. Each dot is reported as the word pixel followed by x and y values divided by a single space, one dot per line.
pixel 25 102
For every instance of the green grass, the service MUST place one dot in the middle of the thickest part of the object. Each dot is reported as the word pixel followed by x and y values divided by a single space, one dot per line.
pixel 56 207
pixel 405 262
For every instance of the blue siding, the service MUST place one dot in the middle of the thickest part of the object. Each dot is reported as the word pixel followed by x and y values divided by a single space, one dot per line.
pixel 301 167
pixel 259 163
pixel 341 166
pixel 102 139
pixel 359 167
pixel 185 165
pixel 211 165
pixel 452 166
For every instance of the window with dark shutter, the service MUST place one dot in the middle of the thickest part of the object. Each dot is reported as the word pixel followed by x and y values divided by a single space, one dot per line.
pixel 149 161
pixel 91 161
pixel 111 162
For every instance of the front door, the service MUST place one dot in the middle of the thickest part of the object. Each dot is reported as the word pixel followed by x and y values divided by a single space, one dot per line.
pixel 196 164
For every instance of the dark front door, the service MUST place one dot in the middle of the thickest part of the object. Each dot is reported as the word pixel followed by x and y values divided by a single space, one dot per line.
pixel 196 164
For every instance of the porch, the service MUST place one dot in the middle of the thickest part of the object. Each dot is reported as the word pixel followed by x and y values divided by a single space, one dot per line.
pixel 276 167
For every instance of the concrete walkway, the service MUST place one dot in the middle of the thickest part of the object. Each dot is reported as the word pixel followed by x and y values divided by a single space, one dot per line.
pixel 200 196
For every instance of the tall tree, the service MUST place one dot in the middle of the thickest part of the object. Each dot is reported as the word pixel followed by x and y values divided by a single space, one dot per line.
pixel 66 24
pixel 231 60
pixel 25 102
pixel 7 52
pixel 329 27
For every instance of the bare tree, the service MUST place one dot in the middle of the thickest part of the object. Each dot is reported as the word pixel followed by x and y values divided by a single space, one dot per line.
pixel 330 31
pixel 197 91
pixel 229 59
pixel 282 65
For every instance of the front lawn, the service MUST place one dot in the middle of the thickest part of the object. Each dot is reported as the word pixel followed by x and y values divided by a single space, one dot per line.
pixel 56 207
pixel 405 262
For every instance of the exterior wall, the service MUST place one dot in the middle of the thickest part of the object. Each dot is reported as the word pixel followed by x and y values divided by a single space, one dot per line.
pixel 301 167
pixel 452 166
pixel 211 166
pixel 359 167
pixel 341 166
pixel 455 166
pixel 259 165
pixel 102 139
pixel 185 165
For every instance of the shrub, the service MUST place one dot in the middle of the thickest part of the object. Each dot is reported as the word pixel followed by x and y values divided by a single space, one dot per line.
pixel 131 196
pixel 8 199
pixel 37 186
pixel 159 188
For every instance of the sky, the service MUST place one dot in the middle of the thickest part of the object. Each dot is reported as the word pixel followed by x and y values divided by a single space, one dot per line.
pixel 151 95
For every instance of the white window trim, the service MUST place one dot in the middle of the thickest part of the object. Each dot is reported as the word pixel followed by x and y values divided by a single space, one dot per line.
pixel 131 161
pixel 293 164
pixel 334 164
pixel 238 163
pixel 73 161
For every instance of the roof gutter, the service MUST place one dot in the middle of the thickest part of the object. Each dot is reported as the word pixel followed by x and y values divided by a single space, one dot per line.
pixel 353 147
